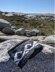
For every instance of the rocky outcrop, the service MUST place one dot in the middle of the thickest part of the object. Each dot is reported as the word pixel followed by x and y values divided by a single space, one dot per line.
pixel 43 61
pixel 14 27
pixel 18 44
pixel 24 51
pixel 39 38
pixel 20 31
pixel 4 23
pixel 27 50
pixel 8 31
pixel 6 28
pixel 34 32
pixel 27 33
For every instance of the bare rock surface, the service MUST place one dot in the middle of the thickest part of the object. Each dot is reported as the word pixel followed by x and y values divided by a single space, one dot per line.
pixel 49 40
pixel 8 31
pixel 39 38
pixel 5 46
pixel 25 51
pixel 20 31
pixel 42 62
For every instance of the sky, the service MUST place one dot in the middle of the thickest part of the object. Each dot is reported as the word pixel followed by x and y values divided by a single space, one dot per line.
pixel 27 6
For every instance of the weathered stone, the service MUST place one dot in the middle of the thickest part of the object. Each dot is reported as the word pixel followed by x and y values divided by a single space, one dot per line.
pixel 47 49
pixel 4 23
pixel 49 40
pixel 13 27
pixel 24 51
pixel 27 33
pixel 8 31
pixel 34 32
pixel 43 61
pixel 20 31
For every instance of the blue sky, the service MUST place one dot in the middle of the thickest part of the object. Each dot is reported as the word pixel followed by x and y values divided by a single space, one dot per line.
pixel 27 6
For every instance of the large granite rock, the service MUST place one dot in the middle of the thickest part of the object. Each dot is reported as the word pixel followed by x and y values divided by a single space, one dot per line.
pixel 20 31
pixel 8 30
pixel 4 23
pixel 27 50
pixel 43 61
pixel 24 51
pixel 5 47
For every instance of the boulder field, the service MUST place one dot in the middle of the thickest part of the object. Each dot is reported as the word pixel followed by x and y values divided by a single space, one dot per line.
pixel 7 28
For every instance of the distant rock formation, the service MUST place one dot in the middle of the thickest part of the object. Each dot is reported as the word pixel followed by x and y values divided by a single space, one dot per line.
pixel 28 33
pixel 6 28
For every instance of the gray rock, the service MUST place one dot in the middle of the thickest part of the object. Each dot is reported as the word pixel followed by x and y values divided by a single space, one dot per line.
pixel 34 32
pixel 13 27
pixel 27 50
pixel 44 61
pixel 49 40
pixel 20 31
pixel 5 47
pixel 8 31
pixel 27 33
pixel 4 23
pixel 24 51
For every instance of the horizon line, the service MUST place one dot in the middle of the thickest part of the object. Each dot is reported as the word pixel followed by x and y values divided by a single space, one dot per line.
pixel 30 12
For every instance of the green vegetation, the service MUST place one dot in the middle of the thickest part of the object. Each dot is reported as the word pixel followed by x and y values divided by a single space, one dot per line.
pixel 44 25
